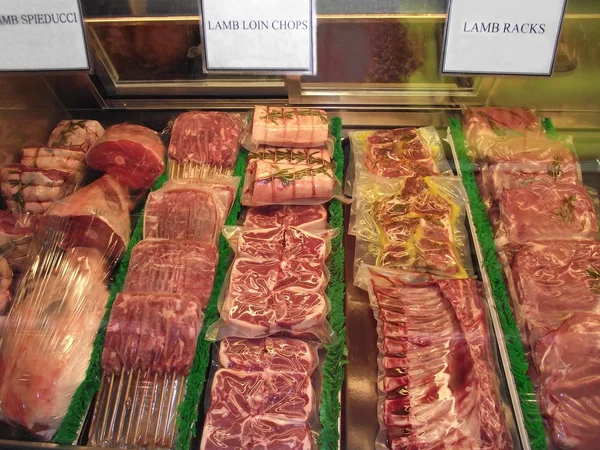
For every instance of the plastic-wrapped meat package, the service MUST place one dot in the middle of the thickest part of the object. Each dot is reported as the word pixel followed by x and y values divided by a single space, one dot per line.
pixel 6 279
pixel 545 212
pixel 276 284
pixel 278 176
pixel 411 223
pixel 64 160
pixel 288 127
pixel 205 138
pixel 568 366
pixel 154 332
pixel 551 280
pixel 395 153
pixel 183 267
pixel 75 134
pixel 96 216
pixel 133 154
pixel 225 187
pixel 48 338
pixel 308 217
pixel 16 233
pixel 34 190
pixel 484 124
pixel 437 379
pixel 263 396
pixel 186 211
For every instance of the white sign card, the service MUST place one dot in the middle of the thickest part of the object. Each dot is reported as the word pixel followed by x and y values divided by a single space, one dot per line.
pixel 259 36
pixel 504 37
pixel 42 35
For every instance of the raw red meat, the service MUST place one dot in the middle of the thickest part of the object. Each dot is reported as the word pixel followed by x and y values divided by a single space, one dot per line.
pixel 552 280
pixel 438 380
pixel 301 176
pixel 48 339
pixel 224 188
pixel 417 228
pixel 293 311
pixel 283 243
pixel 183 267
pixel 256 433
pixel 206 138
pixel 546 211
pixel 568 362
pixel 131 153
pixel 277 395
pixel 184 211
pixel 497 178
pixel 289 127
pixel 155 332
pixel 95 216
pixel 399 152
pixel 16 233
pixel 75 134
pixel 309 217
pixel 268 354
pixel 72 161
pixel 33 189
pixel 488 122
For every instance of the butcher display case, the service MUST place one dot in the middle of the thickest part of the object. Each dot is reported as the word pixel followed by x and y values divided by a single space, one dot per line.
pixel 98 159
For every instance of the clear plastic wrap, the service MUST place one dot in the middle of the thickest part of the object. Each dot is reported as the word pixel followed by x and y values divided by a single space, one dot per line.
pixel 544 212
pixel 551 280
pixel 568 364
pixel 48 338
pixel 192 210
pixel 276 284
pixel 16 234
pixel 437 378
pixel 411 223
pixel 34 190
pixel 204 143
pixel 96 216
pixel 396 153
pixel 290 176
pixel 183 267
pixel 226 187
pixel 484 124
pixel 309 217
pixel 75 135
pixel 155 332
pixel 133 154
pixel 263 394
pixel 277 126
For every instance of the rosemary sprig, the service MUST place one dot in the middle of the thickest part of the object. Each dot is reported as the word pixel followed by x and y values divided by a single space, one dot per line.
pixel 594 274
pixel 289 175
pixel 278 114
pixel 18 196
pixel 554 169
pixel 291 156
pixel 567 210
pixel 71 128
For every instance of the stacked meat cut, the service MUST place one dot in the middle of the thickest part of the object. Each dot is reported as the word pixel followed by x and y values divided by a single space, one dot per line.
pixel 204 143
pixel 546 228
pixel 61 298
pixel 274 306
pixel 262 396
pixel 438 384
pixel 155 322
pixel 437 377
